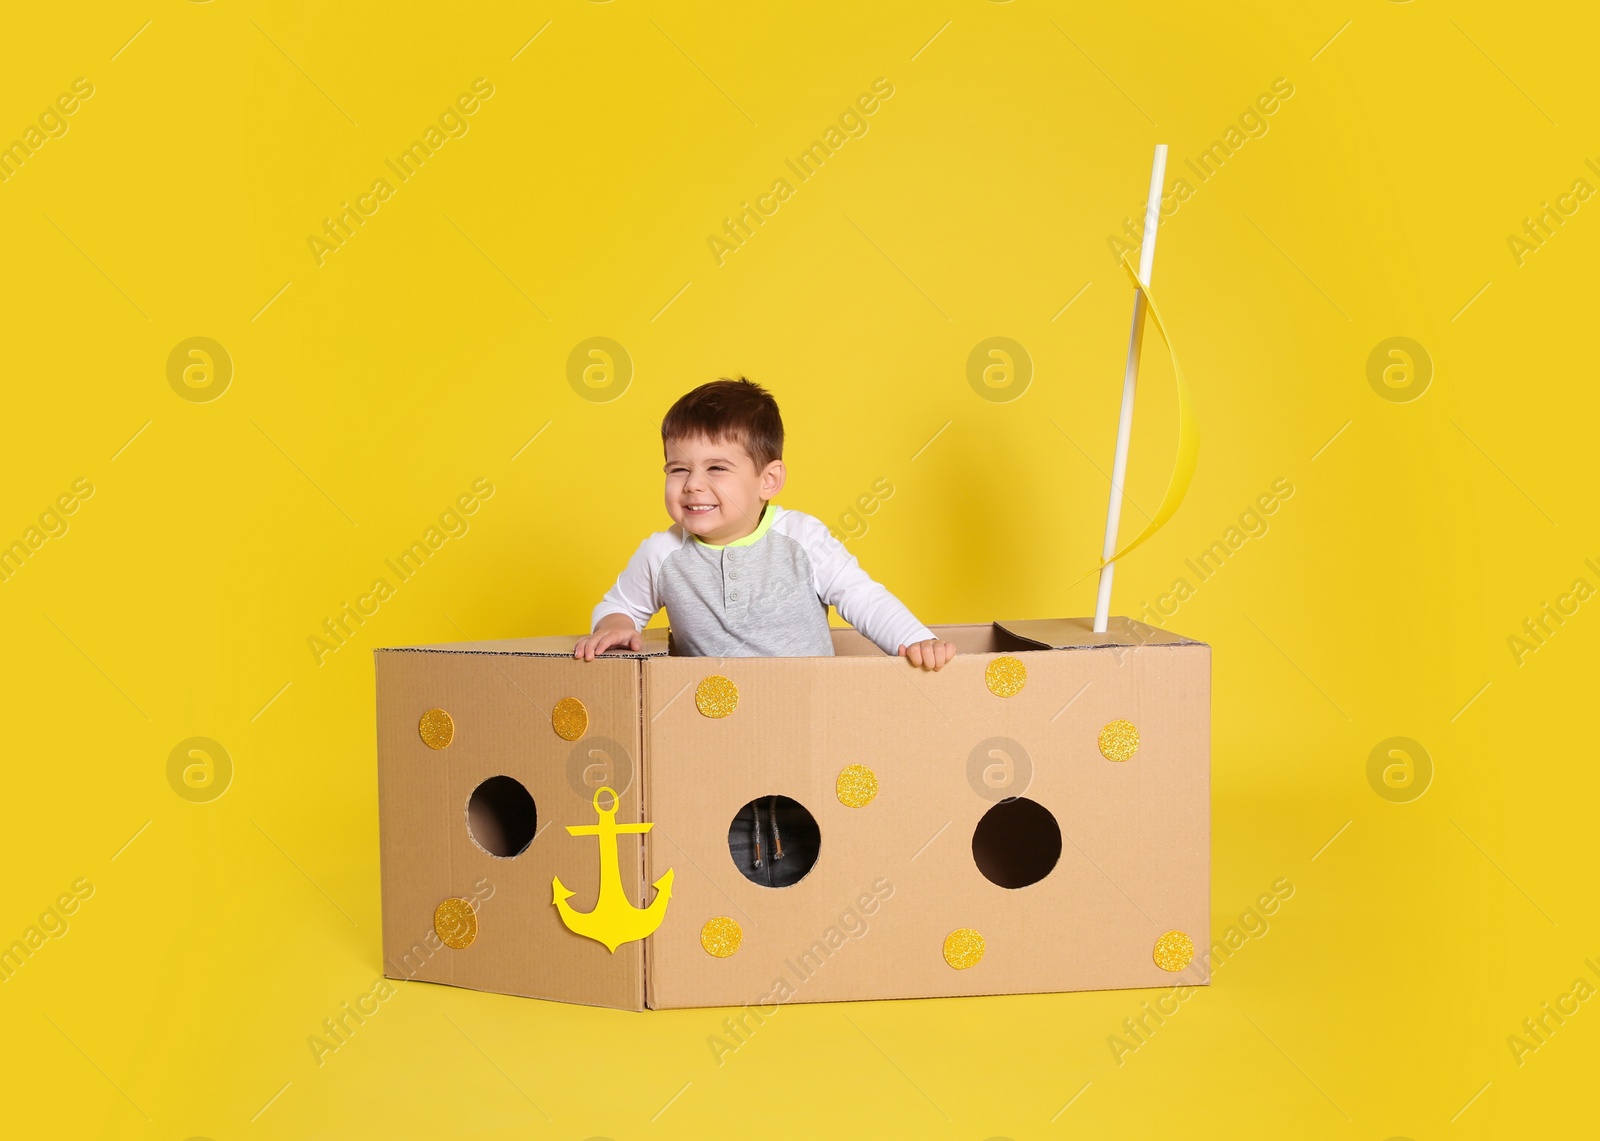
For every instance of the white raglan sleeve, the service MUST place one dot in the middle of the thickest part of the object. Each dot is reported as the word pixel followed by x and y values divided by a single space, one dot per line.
pixel 860 600
pixel 635 592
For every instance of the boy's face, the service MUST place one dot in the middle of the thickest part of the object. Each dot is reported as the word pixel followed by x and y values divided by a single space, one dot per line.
pixel 714 491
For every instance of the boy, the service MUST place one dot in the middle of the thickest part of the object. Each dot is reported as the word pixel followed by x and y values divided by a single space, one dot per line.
pixel 739 575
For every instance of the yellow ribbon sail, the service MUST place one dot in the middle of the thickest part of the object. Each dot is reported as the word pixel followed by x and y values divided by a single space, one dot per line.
pixel 1188 428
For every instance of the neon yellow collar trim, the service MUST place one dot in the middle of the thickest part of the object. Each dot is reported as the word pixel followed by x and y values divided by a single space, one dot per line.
pixel 768 513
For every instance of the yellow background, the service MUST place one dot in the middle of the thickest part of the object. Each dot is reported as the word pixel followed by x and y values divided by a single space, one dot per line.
pixel 374 389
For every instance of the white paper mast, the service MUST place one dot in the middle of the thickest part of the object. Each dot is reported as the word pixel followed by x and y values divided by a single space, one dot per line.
pixel 1130 378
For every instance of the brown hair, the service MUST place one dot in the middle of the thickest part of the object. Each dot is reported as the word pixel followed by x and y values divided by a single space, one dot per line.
pixel 738 410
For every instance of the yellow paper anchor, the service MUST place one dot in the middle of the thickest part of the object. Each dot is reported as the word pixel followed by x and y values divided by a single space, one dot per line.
pixel 614 921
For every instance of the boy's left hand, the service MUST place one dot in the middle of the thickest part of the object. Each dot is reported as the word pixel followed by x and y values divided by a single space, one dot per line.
pixel 930 655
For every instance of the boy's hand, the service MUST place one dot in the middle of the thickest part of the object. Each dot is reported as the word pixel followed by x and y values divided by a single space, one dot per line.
pixel 930 655
pixel 613 630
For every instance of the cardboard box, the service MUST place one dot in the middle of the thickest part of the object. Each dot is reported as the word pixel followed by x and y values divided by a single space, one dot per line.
pixel 1012 845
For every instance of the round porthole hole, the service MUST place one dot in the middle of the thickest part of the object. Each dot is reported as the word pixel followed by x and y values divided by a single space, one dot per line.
pixel 774 841
pixel 501 817
pixel 1017 843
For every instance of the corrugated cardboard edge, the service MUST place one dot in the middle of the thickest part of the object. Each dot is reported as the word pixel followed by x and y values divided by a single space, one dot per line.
pixel 550 646
pixel 646 812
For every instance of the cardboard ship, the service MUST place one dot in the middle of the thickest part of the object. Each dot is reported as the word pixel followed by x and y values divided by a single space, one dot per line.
pixel 649 830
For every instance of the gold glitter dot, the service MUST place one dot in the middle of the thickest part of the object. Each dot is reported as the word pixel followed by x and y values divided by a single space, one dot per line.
pixel 456 923
pixel 1005 677
pixel 721 936
pixel 1174 951
pixel 436 729
pixel 856 786
pixel 1119 741
pixel 716 696
pixel 569 719
pixel 963 948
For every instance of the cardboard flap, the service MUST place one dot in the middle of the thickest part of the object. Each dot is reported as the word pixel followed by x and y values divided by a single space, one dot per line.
pixel 1078 633
pixel 433 844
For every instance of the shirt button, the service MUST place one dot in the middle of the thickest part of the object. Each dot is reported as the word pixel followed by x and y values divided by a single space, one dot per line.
pixel 734 596
pixel 733 574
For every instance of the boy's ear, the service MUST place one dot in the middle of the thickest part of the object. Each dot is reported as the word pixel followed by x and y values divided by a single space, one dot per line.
pixel 772 479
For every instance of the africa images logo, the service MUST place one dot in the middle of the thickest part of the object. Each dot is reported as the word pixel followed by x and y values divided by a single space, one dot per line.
pixel 999 369
pixel 199 370
pixel 599 369
pixel 1399 370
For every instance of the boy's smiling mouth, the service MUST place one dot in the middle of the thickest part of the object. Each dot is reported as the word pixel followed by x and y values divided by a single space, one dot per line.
pixel 699 508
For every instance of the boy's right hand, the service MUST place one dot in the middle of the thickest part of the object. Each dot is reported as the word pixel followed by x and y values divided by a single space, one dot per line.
pixel 613 630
